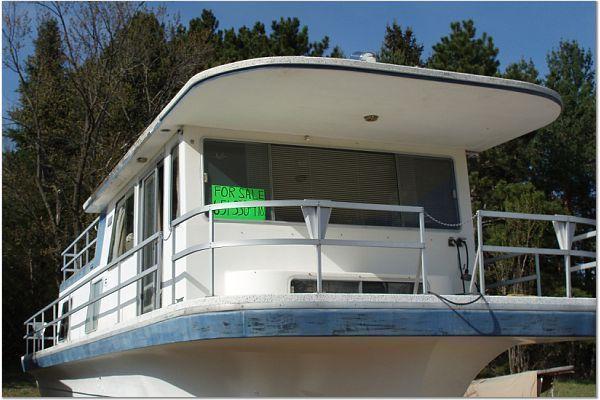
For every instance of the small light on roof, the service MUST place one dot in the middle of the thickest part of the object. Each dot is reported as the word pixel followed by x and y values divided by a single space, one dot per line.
pixel 142 159
pixel 307 138
pixel 371 117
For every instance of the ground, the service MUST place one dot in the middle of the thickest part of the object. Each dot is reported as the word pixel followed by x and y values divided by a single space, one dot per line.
pixel 17 384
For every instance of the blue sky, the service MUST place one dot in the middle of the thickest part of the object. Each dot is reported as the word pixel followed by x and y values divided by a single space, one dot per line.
pixel 519 29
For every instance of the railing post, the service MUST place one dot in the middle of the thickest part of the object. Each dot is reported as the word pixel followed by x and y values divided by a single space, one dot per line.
pixel 538 280
pixel 158 273
pixel 173 244
pixel 480 253
pixel 211 236
pixel 119 292
pixel 42 331
pixel 87 250
pixel 568 240
pixel 319 263
pixel 54 308
pixel 423 261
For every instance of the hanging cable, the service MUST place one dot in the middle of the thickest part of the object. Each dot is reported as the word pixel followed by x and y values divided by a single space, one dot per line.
pixel 446 300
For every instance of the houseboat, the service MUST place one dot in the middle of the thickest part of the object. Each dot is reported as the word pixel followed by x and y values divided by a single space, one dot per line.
pixel 299 226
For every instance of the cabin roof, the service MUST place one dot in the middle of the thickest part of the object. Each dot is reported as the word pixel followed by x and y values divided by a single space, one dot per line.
pixel 329 98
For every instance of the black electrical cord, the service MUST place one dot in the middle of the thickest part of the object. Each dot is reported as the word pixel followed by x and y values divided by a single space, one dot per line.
pixel 460 271
pixel 444 299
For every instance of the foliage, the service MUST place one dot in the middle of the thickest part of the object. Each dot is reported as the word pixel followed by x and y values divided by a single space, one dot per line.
pixel 400 47
pixel 463 52
pixel 564 153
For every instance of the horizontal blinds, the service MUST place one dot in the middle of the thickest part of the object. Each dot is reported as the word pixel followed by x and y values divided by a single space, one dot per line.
pixel 297 173
pixel 338 175
pixel 236 164
pixel 428 182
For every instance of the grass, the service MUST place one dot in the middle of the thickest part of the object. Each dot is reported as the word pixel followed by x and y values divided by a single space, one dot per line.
pixel 19 384
pixel 573 388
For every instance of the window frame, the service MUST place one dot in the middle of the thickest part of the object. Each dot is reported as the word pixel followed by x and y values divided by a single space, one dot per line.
pixel 128 193
pixel 294 223
pixel 93 310
pixel 153 172
pixel 65 323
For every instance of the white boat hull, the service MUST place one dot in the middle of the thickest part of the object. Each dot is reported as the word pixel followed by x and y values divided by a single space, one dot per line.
pixel 311 366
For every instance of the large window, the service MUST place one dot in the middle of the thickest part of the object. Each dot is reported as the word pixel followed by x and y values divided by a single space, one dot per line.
pixel 122 237
pixel 283 172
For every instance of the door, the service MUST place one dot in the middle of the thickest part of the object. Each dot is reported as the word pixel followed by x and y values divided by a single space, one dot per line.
pixel 150 223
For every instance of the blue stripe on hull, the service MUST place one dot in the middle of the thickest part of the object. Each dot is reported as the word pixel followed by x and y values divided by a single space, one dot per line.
pixel 333 322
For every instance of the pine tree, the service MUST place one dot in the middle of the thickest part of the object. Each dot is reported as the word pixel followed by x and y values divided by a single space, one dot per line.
pixel 461 51
pixel 400 47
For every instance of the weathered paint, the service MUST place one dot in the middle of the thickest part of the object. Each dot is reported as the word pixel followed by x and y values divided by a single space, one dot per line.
pixel 333 322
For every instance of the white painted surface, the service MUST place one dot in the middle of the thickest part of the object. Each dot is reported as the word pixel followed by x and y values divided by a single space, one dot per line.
pixel 284 367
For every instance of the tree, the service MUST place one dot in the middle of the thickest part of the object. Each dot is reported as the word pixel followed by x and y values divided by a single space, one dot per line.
pixel 564 162
pixel 463 52
pixel 510 161
pixel 337 52
pixel 400 47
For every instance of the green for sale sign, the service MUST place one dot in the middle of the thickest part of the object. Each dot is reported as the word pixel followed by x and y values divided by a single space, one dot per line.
pixel 230 194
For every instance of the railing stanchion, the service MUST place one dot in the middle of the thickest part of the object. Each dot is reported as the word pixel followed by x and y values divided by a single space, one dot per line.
pixel 568 243
pixel 173 244
pixel 423 244
pixel 158 273
pixel 42 335
pixel 54 308
pixel 538 275
pixel 87 250
pixel 480 253
pixel 118 292
pixel 211 236
pixel 319 264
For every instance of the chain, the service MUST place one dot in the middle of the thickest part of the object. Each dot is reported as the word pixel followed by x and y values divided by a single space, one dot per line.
pixel 445 223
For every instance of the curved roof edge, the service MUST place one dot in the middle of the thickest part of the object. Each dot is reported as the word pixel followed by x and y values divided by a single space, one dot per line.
pixel 306 62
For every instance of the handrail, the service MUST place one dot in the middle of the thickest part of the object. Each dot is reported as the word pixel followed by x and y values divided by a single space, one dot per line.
pixel 316 215
pixel 71 251
pixel 564 226
pixel 39 327
pixel 86 230
pixel 97 272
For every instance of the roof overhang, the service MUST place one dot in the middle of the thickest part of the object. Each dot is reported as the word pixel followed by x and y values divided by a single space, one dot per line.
pixel 329 98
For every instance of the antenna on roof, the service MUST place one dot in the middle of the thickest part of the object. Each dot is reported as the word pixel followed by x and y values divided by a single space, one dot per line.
pixel 367 56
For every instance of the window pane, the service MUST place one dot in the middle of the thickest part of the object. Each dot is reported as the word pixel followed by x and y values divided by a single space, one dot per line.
pixel 93 310
pixel 63 329
pixel 175 183
pixel 240 166
pixel 338 175
pixel 428 182
pixel 122 238
pixel 310 286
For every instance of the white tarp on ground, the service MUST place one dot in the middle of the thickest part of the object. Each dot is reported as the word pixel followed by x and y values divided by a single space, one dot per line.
pixel 517 385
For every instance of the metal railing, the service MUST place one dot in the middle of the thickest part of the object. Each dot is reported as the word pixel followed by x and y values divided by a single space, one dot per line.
pixel 564 227
pixel 48 317
pixel 316 216
pixel 81 251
